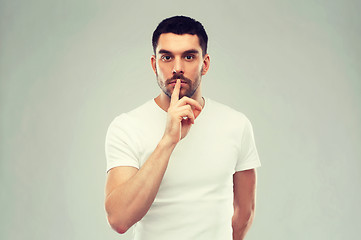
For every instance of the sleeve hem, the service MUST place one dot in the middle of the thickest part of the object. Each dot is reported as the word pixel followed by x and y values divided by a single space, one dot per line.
pixel 247 167
pixel 121 165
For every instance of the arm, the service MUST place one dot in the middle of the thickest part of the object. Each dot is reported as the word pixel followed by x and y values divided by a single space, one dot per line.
pixel 130 192
pixel 244 189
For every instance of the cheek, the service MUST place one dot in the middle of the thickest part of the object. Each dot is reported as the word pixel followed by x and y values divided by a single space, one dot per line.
pixel 196 69
pixel 162 70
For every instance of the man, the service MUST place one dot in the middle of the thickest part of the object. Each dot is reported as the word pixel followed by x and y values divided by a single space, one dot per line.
pixel 181 166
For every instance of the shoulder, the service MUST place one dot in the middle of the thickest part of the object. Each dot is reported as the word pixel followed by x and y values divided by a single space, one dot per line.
pixel 134 115
pixel 227 113
pixel 142 119
pixel 143 110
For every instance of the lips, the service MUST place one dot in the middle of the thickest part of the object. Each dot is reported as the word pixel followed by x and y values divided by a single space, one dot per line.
pixel 179 76
pixel 175 81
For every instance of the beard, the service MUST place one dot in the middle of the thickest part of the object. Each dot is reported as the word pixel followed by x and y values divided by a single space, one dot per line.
pixel 189 92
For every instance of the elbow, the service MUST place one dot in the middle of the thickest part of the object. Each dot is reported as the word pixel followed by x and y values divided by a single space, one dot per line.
pixel 121 217
pixel 243 220
pixel 116 218
pixel 248 217
pixel 118 225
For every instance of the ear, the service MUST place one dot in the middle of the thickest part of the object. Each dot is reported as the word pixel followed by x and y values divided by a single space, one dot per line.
pixel 206 62
pixel 153 62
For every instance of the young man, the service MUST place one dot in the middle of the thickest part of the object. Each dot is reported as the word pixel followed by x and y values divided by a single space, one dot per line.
pixel 181 166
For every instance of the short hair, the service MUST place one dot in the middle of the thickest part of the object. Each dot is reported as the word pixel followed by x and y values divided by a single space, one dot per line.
pixel 181 25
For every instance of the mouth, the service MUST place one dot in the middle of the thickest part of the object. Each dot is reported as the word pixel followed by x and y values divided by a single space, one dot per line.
pixel 175 81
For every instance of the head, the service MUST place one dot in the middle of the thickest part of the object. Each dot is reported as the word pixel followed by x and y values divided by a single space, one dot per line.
pixel 181 25
pixel 180 52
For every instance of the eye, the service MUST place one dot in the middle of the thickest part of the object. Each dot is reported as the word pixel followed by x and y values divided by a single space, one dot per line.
pixel 189 57
pixel 166 58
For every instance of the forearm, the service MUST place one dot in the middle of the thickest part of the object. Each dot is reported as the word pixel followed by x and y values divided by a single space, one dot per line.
pixel 129 202
pixel 241 223
pixel 244 188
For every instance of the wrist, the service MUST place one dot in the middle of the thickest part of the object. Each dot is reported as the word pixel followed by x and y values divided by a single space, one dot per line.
pixel 167 143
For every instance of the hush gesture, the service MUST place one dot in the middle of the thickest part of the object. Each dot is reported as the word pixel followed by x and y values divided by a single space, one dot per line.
pixel 181 115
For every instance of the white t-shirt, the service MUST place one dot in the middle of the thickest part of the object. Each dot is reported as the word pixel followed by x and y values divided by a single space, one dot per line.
pixel 195 198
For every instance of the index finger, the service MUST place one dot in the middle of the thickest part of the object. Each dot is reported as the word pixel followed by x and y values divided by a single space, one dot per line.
pixel 175 95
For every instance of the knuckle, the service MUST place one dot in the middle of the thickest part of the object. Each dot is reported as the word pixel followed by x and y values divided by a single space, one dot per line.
pixel 185 99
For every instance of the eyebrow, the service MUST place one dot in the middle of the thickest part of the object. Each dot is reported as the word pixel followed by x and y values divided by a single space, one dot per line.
pixel 190 51
pixel 164 51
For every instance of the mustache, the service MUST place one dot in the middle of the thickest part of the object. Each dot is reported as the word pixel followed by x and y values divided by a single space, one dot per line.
pixel 178 76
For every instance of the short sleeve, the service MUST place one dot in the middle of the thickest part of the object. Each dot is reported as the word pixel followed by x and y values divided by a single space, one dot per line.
pixel 120 147
pixel 248 156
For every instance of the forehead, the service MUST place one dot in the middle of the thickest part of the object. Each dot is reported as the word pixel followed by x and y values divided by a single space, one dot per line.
pixel 178 43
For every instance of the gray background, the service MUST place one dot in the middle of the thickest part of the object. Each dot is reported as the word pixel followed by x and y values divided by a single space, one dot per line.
pixel 67 68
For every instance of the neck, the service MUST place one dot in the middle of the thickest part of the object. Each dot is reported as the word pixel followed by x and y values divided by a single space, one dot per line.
pixel 163 101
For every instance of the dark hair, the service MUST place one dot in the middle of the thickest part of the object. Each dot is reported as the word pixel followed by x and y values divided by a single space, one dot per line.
pixel 181 25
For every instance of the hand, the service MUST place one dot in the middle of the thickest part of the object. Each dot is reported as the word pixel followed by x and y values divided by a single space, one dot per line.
pixel 181 115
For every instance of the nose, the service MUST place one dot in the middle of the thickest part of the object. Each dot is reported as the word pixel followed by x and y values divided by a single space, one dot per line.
pixel 178 66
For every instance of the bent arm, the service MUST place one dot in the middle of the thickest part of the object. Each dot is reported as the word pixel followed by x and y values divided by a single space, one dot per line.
pixel 130 192
pixel 244 189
